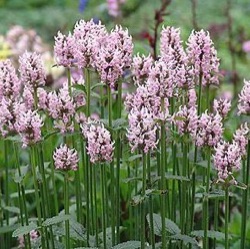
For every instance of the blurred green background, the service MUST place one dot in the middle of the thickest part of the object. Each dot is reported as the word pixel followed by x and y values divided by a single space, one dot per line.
pixel 49 16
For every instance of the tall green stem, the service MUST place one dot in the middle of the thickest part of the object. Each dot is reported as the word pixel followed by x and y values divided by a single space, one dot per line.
pixel 66 208
pixel 245 199
pixel 103 183
pixel 206 201
pixel 226 216
pixel 112 193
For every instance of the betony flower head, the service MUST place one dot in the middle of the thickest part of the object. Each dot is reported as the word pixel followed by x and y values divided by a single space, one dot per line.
pixel 222 106
pixel 10 85
pixel 114 56
pixel 32 71
pixel 88 37
pixel 65 158
pixel 203 57
pixel 241 138
pixel 209 130
pixel 61 108
pixel 65 49
pixel 227 158
pixel 192 97
pixel 244 99
pixel 142 130
pixel 140 68
pixel 29 127
pixel 186 120
pixel 99 144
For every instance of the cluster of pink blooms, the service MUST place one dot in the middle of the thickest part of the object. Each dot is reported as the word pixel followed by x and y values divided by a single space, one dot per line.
pixel 91 45
pixel 33 238
pixel 222 106
pixel 65 158
pixel 244 99
pixel 203 57
pixel 114 7
pixel 240 137
pixel 29 127
pixel 186 120
pixel 209 130
pixel 99 144
pixel 142 130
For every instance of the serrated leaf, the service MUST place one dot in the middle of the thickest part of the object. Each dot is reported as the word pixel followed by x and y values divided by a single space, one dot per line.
pixel 28 191
pixel 133 244
pixel 171 227
pixel 12 209
pixel 202 164
pixel 56 219
pixel 211 234
pixel 177 177
pixel 185 238
pixel 24 230
pixel 119 123
pixel 50 134
pixel 79 230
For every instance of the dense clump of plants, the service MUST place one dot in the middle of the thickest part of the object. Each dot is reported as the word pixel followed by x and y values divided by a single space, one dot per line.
pixel 100 163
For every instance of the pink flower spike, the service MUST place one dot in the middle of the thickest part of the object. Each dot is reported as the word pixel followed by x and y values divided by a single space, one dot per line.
pixel 65 158
pixel 32 71
pixel 244 99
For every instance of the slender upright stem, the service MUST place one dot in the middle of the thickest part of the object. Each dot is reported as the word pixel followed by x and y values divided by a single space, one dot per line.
pixel 163 179
pixel 87 84
pixel 151 209
pixel 216 217
pixel 206 201
pixel 144 172
pixel 94 181
pixel 245 200
pixel 66 208
pixel 112 193
pixel 226 216
pixel 194 15
pixel 103 183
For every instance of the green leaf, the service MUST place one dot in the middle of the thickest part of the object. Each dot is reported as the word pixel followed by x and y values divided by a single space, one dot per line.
pixel 128 245
pixel 171 227
pixel 50 134
pixel 119 124
pixel 202 164
pixel 28 191
pixel 240 185
pixel 19 178
pixel 79 230
pixel 80 87
pixel 96 85
pixel 132 158
pixel 185 238
pixel 132 179
pixel 12 209
pixel 211 234
pixel 7 229
pixel 176 177
pixel 56 219
pixel 24 230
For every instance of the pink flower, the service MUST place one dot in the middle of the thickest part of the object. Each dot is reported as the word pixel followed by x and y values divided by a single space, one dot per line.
pixel 140 68
pixel 114 7
pixel 32 71
pixel 227 158
pixel 142 130
pixel 10 85
pixel 203 57
pixel 65 49
pixel 99 145
pixel 192 97
pixel 186 120
pixel 222 106
pixel 61 107
pixel 244 99
pixel 33 238
pixel 114 56
pixel 29 127
pixel 88 37
pixel 240 138
pixel 209 130
pixel 246 46
pixel 173 54
pixel 65 158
